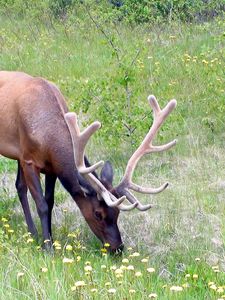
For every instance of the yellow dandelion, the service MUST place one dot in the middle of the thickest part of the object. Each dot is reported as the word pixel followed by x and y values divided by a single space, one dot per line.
pixel 151 270
pixel 187 276
pixel 205 62
pixel 144 260
pixel 56 244
pixel 112 291
pixel 122 267
pixel 88 268
pixel 125 261
pixel 78 258
pixel 4 219
pixel 44 269
pixel 106 245
pixel 129 248
pixel 175 288
pixel 10 231
pixel 87 263
pixel 197 259
pixel 68 260
pixel 153 296
pixel 6 225
pixel 103 250
pixel 130 268
pixel 72 235
pixel 69 248
pixel 210 283
pixel 195 276
pixel 132 291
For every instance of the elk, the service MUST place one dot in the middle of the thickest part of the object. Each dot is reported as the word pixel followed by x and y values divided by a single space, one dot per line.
pixel 37 130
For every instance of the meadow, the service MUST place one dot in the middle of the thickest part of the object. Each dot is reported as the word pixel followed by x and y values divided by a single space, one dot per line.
pixel 175 250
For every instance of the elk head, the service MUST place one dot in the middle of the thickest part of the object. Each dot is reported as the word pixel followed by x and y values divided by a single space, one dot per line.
pixel 105 202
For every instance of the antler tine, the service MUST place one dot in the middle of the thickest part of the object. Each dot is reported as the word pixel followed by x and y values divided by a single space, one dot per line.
pixel 159 116
pixel 79 141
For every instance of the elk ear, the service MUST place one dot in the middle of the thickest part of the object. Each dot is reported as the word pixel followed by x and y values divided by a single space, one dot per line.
pixel 107 174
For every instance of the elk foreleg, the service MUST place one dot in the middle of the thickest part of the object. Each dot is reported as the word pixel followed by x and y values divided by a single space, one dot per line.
pixel 32 177
pixel 21 187
pixel 50 180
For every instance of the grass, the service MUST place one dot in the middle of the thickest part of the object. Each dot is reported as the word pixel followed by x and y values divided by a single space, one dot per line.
pixel 182 237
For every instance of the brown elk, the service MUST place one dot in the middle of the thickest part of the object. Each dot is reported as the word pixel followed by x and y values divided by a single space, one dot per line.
pixel 37 130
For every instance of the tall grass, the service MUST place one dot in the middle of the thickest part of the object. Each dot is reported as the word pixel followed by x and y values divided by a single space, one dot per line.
pixel 182 237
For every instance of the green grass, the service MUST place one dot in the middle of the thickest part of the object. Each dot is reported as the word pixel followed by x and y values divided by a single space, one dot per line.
pixel 181 61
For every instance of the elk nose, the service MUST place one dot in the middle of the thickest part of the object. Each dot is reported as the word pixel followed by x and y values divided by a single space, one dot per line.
pixel 118 250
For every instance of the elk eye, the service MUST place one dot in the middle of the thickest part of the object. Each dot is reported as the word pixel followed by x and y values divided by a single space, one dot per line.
pixel 98 216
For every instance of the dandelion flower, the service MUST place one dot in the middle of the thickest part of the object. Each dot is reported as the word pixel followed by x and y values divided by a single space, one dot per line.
pixel 151 270
pixel 220 290
pixel 4 219
pixel 20 274
pixel 30 240
pixel 113 268
pixel 68 260
pixel 6 225
pixel 69 248
pixel 138 274
pixel 195 276
pixel 130 268
pixel 213 287
pixel 88 268
pixel 175 288
pixel 87 262
pixel 135 254
pixel 125 261
pixel 187 276
pixel 197 259
pixel 78 258
pixel 112 291
pixel 106 245
pixel 10 230
pixel 132 291
pixel 118 271
pixel 44 269
pixel 144 260
pixel 78 284
pixel 153 296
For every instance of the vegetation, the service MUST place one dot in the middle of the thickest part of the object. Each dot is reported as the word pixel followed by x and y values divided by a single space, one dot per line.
pixel 106 63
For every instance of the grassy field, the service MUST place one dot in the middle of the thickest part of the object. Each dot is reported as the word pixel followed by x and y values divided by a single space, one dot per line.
pixel 174 251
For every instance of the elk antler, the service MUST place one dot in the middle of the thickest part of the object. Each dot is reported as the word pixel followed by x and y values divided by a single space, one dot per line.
pixel 145 148
pixel 79 141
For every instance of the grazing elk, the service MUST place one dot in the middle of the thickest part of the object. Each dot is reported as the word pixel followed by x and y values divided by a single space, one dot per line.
pixel 37 130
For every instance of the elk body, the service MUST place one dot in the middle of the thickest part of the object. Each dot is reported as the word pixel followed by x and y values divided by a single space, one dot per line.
pixel 37 130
